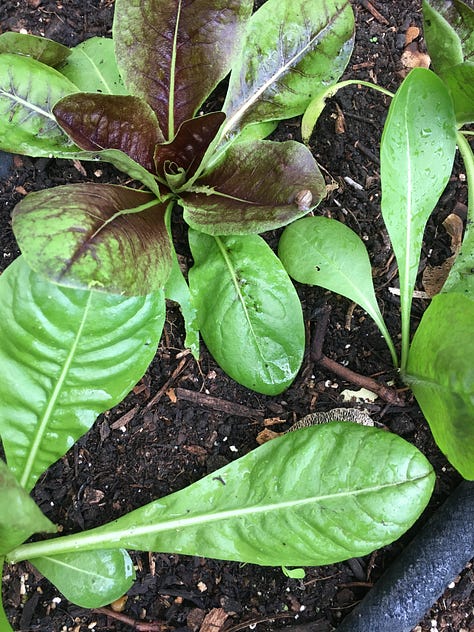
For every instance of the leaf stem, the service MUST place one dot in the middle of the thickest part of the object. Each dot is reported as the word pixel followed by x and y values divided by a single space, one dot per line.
pixel 468 159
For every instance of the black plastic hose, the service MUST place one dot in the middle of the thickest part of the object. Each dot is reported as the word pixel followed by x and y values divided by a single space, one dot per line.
pixel 420 574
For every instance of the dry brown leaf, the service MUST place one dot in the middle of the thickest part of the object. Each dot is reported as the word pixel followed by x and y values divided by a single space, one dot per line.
pixel 172 395
pixel 412 33
pixel 214 620
pixel 267 435
pixel 413 58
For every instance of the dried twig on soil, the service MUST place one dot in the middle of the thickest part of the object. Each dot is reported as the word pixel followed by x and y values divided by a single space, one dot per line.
pixel 140 626
pixel 216 403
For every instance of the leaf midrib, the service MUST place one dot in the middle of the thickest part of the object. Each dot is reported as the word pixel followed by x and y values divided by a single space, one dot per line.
pixel 48 413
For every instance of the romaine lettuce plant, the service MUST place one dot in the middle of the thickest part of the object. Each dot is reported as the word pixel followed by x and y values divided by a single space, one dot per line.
pixel 142 113
pixel 417 152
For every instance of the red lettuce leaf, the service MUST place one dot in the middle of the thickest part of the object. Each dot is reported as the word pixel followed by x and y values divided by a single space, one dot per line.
pixel 189 145
pixel 104 121
pixel 257 186
pixel 173 54
pixel 104 236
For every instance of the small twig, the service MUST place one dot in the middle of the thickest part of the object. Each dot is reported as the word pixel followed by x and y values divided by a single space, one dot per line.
pixel 373 11
pixel 156 398
pixel 386 393
pixel 140 626
pixel 216 403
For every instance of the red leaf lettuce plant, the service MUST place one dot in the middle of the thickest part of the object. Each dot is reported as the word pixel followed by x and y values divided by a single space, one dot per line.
pixel 142 114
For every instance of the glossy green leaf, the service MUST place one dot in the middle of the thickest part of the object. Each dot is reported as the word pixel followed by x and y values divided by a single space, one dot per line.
pixel 441 374
pixel 4 623
pixel 42 49
pixel 28 92
pixel 104 236
pixel 315 496
pixel 91 66
pixel 416 158
pixel 324 252
pixel 249 313
pixel 20 516
pixel 255 186
pixel 290 50
pixel 105 121
pixel 65 356
pixel 449 32
pixel 90 579
pixel 460 81
pixel 189 45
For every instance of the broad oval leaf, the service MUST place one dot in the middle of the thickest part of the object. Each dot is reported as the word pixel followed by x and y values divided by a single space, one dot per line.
pixel 28 92
pixel 248 311
pixel 42 49
pixel 173 54
pixel 315 496
pixel 440 372
pixel 105 121
pixel 255 186
pixel 290 50
pixel 65 356
pixel 108 237
pixel 325 252
pixel 90 579
pixel 91 66
pixel 416 158
pixel 20 516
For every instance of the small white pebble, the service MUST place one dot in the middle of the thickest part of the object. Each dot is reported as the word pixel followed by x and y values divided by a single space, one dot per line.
pixel 232 448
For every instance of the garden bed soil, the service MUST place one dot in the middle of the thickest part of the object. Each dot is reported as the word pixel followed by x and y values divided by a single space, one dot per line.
pixel 187 418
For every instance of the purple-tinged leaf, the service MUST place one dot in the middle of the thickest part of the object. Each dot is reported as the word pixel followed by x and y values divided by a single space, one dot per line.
pixel 104 121
pixel 107 237
pixel 189 145
pixel 256 186
pixel 174 53
pixel 291 51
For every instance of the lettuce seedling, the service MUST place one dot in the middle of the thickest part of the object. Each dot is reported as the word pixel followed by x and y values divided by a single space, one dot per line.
pixel 136 102
pixel 417 151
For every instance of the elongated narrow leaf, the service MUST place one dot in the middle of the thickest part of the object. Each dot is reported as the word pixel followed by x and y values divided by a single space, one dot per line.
pixel 256 186
pixel 65 356
pixel 95 235
pixel 315 496
pixel 324 252
pixel 104 121
pixel 20 516
pixel 4 623
pixel 186 151
pixel 90 579
pixel 249 313
pixel 28 92
pixel 173 54
pixel 91 66
pixel 42 49
pixel 449 32
pixel 416 158
pixel 441 374
pixel 290 50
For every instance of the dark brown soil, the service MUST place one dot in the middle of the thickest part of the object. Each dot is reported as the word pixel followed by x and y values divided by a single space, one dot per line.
pixel 134 454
